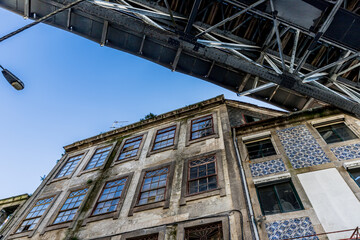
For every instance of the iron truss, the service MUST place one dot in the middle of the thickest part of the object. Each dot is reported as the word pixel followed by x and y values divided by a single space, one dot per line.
pixel 294 54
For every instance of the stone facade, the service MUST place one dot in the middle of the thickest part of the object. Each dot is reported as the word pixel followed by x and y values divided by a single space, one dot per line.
pixel 100 187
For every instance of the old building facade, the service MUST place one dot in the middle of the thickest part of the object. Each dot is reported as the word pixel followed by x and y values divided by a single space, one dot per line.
pixel 218 169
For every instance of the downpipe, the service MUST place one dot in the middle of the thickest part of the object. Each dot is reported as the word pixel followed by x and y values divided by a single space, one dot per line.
pixel 247 195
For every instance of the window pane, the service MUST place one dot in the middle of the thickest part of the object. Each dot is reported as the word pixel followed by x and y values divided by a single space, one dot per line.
pixel 70 207
pixel 69 166
pixel 130 148
pixel 355 174
pixel 154 186
pixel 146 237
pixel 249 119
pixel 287 197
pixel 99 157
pixel 260 149
pixel 201 127
pixel 202 175
pixel 110 197
pixel 164 138
pixel 336 133
pixel 268 201
pixel 34 215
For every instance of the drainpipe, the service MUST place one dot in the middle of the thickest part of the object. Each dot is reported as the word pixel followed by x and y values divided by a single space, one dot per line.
pixel 247 195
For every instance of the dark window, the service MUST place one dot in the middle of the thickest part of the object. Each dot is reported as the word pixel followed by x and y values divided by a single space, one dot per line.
pixel 33 217
pixel 164 138
pixel 98 158
pixel 110 196
pixel 261 148
pixel 154 236
pixel 69 166
pixel 336 133
pixel 278 198
pixel 202 127
pixel 130 148
pixel 249 119
pixel 211 231
pixel 154 186
pixel 202 175
pixel 355 174
pixel 71 205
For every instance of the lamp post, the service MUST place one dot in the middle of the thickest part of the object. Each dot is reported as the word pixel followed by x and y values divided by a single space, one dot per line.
pixel 12 79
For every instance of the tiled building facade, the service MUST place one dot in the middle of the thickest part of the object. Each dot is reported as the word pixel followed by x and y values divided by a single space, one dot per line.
pixel 218 169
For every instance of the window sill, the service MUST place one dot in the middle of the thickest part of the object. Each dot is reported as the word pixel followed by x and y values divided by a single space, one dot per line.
pixel 139 208
pixel 94 218
pixel 193 197
pixel 191 141
pixel 56 227
pixel 173 147
pixel 21 234
pixel 90 170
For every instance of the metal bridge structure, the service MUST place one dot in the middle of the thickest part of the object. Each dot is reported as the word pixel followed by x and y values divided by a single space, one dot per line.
pixel 295 54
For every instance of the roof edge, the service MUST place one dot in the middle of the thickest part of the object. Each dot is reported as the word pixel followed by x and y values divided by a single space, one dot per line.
pixel 205 103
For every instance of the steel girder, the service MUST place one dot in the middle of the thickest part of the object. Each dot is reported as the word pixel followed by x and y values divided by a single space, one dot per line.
pixel 180 51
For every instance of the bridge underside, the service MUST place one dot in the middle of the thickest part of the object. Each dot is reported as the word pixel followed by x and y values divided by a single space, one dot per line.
pixel 295 54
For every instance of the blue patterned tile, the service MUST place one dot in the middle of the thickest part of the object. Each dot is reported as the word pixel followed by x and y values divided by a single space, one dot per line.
pixel 291 228
pixel 301 147
pixel 347 152
pixel 268 167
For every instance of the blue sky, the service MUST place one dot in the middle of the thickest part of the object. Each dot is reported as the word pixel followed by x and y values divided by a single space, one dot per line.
pixel 74 89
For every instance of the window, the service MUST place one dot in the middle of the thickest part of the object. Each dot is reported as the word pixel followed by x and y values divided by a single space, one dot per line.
pixel 202 175
pixel 70 206
pixel 110 197
pixel 336 133
pixel 164 138
pixel 249 119
pixel 154 236
pixel 6 214
pixel 260 148
pixel 154 186
pixel 202 127
pixel 130 148
pixel 69 166
pixel 278 198
pixel 211 231
pixel 98 158
pixel 355 174
pixel 33 217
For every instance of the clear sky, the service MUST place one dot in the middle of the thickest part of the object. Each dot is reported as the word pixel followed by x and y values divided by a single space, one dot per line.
pixel 74 89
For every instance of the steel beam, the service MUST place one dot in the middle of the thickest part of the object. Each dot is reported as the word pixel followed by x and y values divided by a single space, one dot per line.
pixel 192 16
pixel 230 18
pixel 319 34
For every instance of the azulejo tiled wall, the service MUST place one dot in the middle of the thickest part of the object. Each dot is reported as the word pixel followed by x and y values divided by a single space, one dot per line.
pixel 347 152
pixel 267 167
pixel 301 147
pixel 291 228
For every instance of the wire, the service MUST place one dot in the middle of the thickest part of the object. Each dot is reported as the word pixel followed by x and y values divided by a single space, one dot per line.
pixel 40 20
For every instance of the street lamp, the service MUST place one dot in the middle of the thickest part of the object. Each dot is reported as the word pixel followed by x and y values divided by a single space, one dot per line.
pixel 12 79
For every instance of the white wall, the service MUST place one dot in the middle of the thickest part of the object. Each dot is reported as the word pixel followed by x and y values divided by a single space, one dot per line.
pixel 334 203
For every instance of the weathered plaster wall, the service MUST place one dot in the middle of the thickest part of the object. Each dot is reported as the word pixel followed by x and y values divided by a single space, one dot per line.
pixel 218 205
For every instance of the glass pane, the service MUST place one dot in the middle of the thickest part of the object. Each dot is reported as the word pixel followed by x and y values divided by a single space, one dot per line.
pixel 268 200
pixel 193 172
pixel 260 149
pixel 336 133
pixel 193 187
pixel 287 197
pixel 355 174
